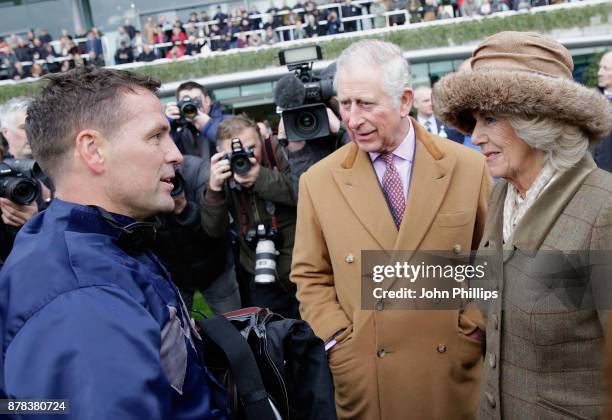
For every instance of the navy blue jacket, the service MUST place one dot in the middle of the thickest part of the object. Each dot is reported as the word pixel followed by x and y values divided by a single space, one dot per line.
pixel 82 320
pixel 216 115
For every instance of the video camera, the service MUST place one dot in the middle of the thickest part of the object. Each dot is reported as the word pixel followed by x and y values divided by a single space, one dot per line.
pixel 18 180
pixel 302 97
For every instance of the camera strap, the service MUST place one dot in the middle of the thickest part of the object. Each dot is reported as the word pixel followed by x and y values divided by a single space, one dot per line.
pixel 270 153
pixel 247 200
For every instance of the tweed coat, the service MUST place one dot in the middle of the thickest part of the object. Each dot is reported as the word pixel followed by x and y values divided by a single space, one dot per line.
pixel 390 364
pixel 544 348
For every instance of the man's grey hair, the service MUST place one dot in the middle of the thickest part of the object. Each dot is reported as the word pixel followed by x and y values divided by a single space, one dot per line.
pixel 394 69
pixel 563 144
pixel 10 108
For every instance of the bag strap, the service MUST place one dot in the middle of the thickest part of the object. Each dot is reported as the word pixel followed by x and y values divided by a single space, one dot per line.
pixel 270 153
pixel 243 366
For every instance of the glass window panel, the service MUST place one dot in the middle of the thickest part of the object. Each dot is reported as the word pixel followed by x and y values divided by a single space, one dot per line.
pixel 227 93
pixel 256 89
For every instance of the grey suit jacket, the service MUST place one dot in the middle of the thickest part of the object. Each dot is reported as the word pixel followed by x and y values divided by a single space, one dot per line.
pixel 545 335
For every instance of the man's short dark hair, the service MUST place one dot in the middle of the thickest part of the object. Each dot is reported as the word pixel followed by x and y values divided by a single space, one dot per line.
pixel 85 97
pixel 235 125
pixel 190 85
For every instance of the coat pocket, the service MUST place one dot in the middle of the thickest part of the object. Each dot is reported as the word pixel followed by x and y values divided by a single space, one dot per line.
pixel 461 218
pixel 549 410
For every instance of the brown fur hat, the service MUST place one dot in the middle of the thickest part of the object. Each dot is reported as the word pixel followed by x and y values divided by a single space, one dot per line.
pixel 523 74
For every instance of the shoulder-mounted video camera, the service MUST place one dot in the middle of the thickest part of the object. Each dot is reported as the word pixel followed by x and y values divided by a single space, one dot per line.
pixel 18 180
pixel 302 98
pixel 239 158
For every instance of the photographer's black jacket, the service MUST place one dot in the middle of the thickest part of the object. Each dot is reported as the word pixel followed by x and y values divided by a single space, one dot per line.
pixel 312 152
pixel 193 258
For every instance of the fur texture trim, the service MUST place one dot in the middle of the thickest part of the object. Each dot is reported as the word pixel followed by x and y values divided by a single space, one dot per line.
pixel 520 93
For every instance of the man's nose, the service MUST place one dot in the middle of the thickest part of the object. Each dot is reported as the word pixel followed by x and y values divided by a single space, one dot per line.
pixel 354 117
pixel 173 154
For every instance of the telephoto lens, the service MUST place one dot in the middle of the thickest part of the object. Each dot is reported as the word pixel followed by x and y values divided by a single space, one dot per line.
pixel 265 262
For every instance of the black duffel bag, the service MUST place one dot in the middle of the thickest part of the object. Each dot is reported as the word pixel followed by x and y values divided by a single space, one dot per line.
pixel 274 368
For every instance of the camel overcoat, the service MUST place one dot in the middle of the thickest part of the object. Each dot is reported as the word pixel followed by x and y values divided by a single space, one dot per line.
pixel 391 364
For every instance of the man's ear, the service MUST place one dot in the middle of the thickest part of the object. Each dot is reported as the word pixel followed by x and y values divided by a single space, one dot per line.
pixel 406 102
pixel 91 146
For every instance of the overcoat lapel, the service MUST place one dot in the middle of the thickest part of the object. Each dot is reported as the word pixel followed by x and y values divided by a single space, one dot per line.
pixel 428 185
pixel 359 185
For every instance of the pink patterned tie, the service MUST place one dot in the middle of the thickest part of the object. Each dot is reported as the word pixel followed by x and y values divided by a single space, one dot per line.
pixel 392 187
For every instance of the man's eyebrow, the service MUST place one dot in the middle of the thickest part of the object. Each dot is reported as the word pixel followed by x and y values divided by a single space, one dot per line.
pixel 161 127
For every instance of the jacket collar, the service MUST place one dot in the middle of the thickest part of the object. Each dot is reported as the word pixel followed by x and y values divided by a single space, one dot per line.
pixel 539 219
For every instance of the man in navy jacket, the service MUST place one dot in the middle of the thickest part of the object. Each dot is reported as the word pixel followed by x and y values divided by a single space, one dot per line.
pixel 88 312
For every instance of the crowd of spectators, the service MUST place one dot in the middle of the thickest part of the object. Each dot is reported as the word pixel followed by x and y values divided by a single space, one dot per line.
pixel 33 56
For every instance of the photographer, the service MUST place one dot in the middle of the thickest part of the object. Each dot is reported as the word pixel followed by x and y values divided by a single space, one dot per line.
pixel 194 120
pixel 15 215
pixel 260 197
pixel 195 260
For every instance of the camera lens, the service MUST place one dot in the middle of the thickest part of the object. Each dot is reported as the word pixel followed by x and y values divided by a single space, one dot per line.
pixel 189 110
pixel 240 164
pixel 265 262
pixel 179 184
pixel 19 190
pixel 306 122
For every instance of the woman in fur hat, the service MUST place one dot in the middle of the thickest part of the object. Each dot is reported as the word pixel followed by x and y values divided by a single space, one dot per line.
pixel 549 220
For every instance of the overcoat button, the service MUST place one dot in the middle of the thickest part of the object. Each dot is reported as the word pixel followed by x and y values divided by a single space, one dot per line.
pixel 349 258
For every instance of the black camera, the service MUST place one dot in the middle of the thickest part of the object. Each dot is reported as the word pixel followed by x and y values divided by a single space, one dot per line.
pixel 239 158
pixel 307 118
pixel 17 180
pixel 189 107
pixel 179 184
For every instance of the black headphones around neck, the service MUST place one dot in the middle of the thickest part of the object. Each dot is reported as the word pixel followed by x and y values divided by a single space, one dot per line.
pixel 134 238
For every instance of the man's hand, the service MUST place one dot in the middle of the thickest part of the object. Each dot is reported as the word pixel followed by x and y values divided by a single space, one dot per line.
pixel 247 180
pixel 172 111
pixel 200 120
pixel 334 122
pixel 180 202
pixel 219 171
pixel 17 214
